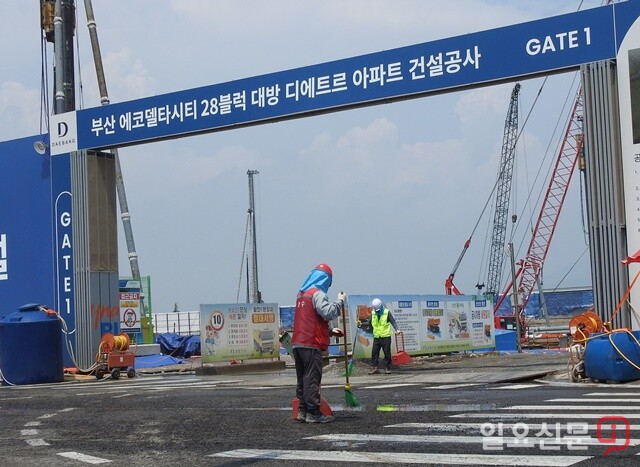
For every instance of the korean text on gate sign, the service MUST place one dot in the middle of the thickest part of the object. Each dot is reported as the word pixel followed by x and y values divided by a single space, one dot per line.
pixel 4 272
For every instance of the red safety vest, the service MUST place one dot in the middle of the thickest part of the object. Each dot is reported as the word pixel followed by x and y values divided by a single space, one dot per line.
pixel 309 329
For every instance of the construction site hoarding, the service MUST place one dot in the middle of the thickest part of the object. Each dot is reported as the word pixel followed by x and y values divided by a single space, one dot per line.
pixel 628 65
pixel 26 241
pixel 239 331
pixel 430 324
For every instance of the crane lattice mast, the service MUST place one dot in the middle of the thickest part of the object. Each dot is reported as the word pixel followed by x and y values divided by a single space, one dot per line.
pixel 503 193
pixel 531 266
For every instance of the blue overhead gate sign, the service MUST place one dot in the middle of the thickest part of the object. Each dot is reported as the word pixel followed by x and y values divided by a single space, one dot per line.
pixel 543 46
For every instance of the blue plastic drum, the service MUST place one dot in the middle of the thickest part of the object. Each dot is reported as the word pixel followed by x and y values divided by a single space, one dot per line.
pixel 607 357
pixel 31 347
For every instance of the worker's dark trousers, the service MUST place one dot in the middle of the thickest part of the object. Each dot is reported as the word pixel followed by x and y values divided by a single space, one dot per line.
pixel 309 375
pixel 383 343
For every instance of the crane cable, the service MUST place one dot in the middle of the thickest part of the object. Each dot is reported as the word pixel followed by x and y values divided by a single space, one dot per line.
pixel 79 71
pixel 527 202
pixel 44 85
pixel 244 252
pixel 530 191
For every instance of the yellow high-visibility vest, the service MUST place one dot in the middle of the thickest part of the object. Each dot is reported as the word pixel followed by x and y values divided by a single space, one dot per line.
pixel 381 325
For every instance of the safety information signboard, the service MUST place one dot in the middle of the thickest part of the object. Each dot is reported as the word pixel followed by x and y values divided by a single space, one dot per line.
pixel 239 331
pixel 429 323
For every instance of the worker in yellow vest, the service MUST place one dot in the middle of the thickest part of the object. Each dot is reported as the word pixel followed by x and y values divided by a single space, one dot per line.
pixel 381 322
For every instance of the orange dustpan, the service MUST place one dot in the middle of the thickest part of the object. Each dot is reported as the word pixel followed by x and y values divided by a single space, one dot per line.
pixel 324 408
pixel 401 357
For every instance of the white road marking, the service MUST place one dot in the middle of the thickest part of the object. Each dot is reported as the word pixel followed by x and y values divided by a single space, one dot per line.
pixel 576 408
pixel 36 442
pixel 571 440
pixel 83 457
pixel 147 386
pixel 31 432
pixel 519 386
pixel 403 457
pixel 47 415
pixel 454 386
pixel 613 394
pixel 33 424
pixel 181 384
pixel 576 415
pixel 438 426
pixel 387 386
pixel 586 399
pixel 270 388
pixel 507 426
pixel 589 385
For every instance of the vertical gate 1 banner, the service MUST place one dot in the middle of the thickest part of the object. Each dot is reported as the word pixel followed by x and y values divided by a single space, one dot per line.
pixel 430 323
pixel 239 331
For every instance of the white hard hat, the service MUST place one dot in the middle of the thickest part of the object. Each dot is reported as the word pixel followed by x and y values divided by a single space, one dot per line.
pixel 376 304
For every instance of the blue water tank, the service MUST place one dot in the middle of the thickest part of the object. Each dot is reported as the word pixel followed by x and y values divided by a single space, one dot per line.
pixel 603 362
pixel 506 340
pixel 30 347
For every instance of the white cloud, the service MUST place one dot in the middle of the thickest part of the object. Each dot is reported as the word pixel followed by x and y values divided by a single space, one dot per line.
pixel 19 110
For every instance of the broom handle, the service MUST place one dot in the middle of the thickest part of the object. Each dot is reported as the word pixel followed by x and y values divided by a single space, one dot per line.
pixel 344 339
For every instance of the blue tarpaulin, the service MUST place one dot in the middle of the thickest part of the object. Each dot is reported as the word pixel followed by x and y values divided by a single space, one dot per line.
pixel 178 346
pixel 286 317
pixel 559 303
pixel 153 361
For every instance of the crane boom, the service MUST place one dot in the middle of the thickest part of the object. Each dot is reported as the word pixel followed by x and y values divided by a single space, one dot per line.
pixel 449 287
pixel 531 265
pixel 505 175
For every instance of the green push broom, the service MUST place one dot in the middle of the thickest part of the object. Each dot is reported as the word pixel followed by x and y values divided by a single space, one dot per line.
pixel 350 399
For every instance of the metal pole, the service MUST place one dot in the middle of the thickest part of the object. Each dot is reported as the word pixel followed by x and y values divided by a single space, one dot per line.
pixel 516 306
pixel 58 50
pixel 104 100
pixel 255 298
pixel 543 301
pixel 68 12
pixel 248 282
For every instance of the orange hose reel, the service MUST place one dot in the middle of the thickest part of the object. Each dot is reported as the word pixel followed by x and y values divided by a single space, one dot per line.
pixel 109 342
pixel 585 324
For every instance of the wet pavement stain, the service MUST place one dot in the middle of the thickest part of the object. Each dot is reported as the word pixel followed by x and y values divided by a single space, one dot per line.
pixel 435 407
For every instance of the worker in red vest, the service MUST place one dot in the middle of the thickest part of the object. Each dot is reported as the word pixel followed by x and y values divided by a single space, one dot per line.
pixel 311 334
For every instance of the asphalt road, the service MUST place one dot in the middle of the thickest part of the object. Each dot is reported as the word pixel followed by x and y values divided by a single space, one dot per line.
pixel 185 419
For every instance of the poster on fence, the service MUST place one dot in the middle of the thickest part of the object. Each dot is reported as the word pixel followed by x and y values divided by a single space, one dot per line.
pixel 429 323
pixel 239 331
pixel 130 310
